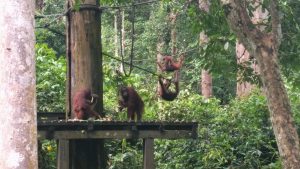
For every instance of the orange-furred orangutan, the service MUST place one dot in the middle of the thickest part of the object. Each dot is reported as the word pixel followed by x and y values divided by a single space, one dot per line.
pixel 164 92
pixel 169 64
pixel 129 98
pixel 83 102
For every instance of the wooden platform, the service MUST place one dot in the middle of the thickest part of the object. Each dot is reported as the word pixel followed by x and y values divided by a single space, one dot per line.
pixel 79 137
pixel 62 129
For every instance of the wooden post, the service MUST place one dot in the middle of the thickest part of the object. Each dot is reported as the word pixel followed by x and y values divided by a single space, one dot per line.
pixel 148 158
pixel 63 154
pixel 85 71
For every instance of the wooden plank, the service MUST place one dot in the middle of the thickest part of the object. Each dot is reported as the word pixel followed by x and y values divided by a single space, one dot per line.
pixel 50 116
pixel 117 134
pixel 63 154
pixel 148 156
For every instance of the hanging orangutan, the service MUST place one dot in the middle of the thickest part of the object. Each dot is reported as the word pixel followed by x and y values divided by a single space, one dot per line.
pixel 129 98
pixel 83 102
pixel 168 64
pixel 164 91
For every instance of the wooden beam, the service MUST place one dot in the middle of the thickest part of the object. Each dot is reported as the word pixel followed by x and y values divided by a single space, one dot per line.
pixel 148 156
pixel 116 134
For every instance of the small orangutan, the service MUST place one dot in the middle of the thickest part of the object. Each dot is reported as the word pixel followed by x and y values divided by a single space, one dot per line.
pixel 169 64
pixel 164 91
pixel 83 102
pixel 129 98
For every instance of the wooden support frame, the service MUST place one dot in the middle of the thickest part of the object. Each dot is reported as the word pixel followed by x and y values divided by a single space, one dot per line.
pixel 148 153
pixel 73 136
pixel 68 130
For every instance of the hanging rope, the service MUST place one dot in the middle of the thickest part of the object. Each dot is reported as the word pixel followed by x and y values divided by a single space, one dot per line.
pixel 122 51
pixel 108 55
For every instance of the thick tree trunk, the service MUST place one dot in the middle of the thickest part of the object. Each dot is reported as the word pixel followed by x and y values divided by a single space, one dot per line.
pixel 18 125
pixel 279 105
pixel 264 47
pixel 85 71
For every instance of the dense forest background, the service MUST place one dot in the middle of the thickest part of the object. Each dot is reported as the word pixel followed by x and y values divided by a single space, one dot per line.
pixel 234 131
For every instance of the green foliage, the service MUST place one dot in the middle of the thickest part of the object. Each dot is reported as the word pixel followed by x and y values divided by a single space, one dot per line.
pixel 50 80
pixel 47 154
pixel 125 156
pixel 290 48
pixel 50 25
pixel 238 135
pixel 232 133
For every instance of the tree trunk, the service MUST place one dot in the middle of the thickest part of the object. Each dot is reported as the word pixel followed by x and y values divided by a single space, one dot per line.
pixel 264 47
pixel 18 129
pixel 243 88
pixel 279 105
pixel 173 17
pixel 85 71
pixel 206 84
pixel 116 34
pixel 206 78
pixel 123 42
pixel 159 56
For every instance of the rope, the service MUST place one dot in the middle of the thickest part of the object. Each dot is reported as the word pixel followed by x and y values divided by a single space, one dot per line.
pixel 126 6
pixel 108 55
pixel 90 6
pixel 132 44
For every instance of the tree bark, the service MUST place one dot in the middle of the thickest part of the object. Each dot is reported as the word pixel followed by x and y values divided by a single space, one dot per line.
pixel 206 84
pixel 264 47
pixel 18 129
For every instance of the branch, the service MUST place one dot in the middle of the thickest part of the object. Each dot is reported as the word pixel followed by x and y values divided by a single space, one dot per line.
pixel 51 30
pixel 240 22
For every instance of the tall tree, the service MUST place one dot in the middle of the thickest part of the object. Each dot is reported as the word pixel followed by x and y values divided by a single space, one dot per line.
pixel 264 47
pixel 18 130
pixel 206 78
